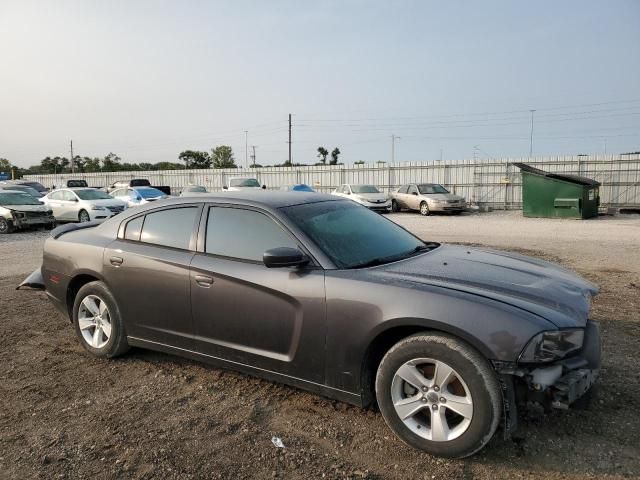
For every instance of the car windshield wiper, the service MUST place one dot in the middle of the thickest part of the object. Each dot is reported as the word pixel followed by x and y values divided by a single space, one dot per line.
pixel 395 258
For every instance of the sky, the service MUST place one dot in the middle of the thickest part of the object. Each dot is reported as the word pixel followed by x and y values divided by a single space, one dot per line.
pixel 453 80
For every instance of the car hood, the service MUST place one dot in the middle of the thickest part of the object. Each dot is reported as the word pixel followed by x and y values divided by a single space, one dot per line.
pixel 371 196
pixel 540 287
pixel 27 208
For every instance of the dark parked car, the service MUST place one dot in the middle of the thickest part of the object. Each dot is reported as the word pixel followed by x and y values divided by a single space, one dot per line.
pixel 321 293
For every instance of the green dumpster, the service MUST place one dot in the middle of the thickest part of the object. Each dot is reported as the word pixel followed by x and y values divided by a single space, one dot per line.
pixel 557 195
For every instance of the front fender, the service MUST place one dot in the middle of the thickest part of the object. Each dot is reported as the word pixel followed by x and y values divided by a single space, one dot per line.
pixel 358 313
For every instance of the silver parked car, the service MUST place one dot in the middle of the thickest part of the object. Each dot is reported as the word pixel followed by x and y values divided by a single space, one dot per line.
pixel 82 204
pixel 426 198
pixel 366 195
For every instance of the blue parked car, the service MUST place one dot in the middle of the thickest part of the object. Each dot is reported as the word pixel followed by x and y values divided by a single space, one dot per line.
pixel 297 187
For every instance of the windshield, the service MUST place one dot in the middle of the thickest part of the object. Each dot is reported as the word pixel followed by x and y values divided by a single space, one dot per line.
pixel 22 188
pixel 364 189
pixel 432 188
pixel 352 235
pixel 92 195
pixel 17 198
pixel 148 192
pixel 244 182
pixel 38 186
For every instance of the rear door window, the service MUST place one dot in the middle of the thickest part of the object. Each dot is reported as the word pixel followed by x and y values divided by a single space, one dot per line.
pixel 243 234
pixel 133 228
pixel 169 228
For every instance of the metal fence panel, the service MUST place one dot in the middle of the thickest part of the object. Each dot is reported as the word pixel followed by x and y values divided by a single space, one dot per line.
pixel 493 182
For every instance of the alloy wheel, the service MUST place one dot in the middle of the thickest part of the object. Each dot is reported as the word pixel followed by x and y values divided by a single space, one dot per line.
pixel 94 321
pixel 84 217
pixel 424 208
pixel 432 399
pixel 4 226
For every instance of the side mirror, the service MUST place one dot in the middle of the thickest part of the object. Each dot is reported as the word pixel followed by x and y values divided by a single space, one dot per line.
pixel 224 187
pixel 414 193
pixel 284 257
pixel 264 187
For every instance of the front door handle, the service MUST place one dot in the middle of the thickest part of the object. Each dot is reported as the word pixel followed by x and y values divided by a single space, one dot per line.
pixel 204 280
pixel 116 261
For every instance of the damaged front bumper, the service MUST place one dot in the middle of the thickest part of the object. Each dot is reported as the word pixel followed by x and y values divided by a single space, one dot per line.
pixel 557 385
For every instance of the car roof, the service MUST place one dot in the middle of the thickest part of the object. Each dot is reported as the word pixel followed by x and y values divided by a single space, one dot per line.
pixel 268 199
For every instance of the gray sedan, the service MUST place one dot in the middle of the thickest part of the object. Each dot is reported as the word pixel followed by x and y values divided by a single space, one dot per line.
pixel 426 198
pixel 323 294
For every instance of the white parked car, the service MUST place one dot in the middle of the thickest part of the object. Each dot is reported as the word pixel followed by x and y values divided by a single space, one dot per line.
pixel 193 190
pixel 235 184
pixel 82 204
pixel 134 196
pixel 367 195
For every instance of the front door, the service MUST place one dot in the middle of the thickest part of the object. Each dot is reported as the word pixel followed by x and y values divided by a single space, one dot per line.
pixel 147 269
pixel 250 314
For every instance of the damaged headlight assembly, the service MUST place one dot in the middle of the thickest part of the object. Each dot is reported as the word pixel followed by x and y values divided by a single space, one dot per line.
pixel 552 345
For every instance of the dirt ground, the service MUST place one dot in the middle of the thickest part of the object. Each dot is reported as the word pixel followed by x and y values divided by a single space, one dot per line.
pixel 64 414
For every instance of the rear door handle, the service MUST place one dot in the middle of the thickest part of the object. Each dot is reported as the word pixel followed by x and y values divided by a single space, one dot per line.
pixel 116 261
pixel 203 280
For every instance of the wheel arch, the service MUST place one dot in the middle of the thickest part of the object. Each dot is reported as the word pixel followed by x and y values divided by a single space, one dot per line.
pixel 75 284
pixel 393 331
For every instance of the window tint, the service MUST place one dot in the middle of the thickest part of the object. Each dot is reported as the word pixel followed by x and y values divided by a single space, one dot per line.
pixel 55 196
pixel 413 189
pixel 244 234
pixel 132 230
pixel 403 189
pixel 170 228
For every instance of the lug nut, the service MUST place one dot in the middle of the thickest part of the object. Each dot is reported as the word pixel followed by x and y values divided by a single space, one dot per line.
pixel 434 406
pixel 424 389
pixel 424 399
pixel 443 400
pixel 436 388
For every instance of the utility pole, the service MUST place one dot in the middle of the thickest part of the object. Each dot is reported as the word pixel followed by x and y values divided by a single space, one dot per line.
pixel 393 147
pixel 475 153
pixel 253 156
pixel 246 148
pixel 531 135
pixel 72 162
pixel 290 160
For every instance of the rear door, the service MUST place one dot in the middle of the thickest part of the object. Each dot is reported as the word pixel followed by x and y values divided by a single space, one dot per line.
pixel 69 205
pixel 147 268
pixel 54 200
pixel 413 200
pixel 272 318
pixel 401 196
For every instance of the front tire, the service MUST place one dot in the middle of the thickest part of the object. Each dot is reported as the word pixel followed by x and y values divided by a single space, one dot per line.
pixel 424 209
pixel 394 206
pixel 439 395
pixel 5 226
pixel 83 216
pixel 97 321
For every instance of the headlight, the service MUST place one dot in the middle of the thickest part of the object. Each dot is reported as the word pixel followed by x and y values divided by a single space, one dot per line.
pixel 553 345
pixel 97 207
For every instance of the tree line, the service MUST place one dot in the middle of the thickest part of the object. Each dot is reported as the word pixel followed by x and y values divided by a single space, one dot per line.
pixel 221 156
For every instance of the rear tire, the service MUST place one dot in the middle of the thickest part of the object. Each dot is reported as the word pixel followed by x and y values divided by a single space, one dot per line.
pixel 97 321
pixel 424 209
pixel 5 226
pixel 456 407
